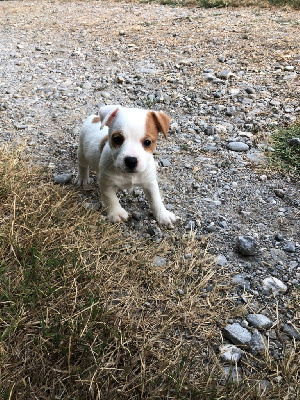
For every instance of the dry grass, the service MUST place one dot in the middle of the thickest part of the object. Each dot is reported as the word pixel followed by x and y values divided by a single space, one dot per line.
pixel 85 314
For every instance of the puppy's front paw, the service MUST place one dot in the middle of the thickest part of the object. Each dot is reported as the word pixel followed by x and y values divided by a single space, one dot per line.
pixel 84 182
pixel 117 215
pixel 165 217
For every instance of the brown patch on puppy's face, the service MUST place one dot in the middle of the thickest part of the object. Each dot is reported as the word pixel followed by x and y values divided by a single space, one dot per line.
pixel 95 120
pixel 117 139
pixel 151 132
pixel 103 143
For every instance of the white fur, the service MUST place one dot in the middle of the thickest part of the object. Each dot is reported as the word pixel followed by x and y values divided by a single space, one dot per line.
pixel 110 164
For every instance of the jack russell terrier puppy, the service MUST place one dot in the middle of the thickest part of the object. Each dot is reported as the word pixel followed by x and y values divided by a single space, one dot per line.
pixel 119 146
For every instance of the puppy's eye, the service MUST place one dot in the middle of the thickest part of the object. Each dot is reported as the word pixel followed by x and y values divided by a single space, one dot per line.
pixel 147 143
pixel 117 140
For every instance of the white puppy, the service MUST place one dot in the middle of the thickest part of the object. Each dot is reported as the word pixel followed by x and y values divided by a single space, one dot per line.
pixel 118 145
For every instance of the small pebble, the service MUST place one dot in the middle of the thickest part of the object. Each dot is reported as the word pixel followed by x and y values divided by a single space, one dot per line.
pixel 237 334
pixel 278 236
pixel 160 261
pixel 221 261
pixel 259 321
pixel 62 179
pixel 232 374
pixel 246 245
pixel 273 284
pixel 257 343
pixel 250 90
pixel 238 146
pixel 291 331
pixel 87 85
pixel 289 247
pixel 230 353
pixel 164 162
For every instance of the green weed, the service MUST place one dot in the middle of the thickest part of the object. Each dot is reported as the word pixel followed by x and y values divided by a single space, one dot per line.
pixel 285 154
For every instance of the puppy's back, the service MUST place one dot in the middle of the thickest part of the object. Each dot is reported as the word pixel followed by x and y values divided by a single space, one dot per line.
pixel 90 138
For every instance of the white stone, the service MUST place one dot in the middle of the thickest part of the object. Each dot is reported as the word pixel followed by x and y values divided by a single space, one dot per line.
pixel 230 353
pixel 274 284
pixel 237 334
pixel 259 321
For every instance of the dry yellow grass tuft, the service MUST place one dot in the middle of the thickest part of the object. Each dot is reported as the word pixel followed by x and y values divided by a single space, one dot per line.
pixel 86 314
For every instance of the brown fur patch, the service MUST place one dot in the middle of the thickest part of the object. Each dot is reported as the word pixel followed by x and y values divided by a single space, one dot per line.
pixel 151 132
pixel 103 143
pixel 162 122
pixel 116 135
pixel 95 120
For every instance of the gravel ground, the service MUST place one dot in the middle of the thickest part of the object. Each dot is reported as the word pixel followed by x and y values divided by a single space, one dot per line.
pixel 226 77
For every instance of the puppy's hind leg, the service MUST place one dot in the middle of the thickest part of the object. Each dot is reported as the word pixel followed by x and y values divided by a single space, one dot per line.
pixel 83 168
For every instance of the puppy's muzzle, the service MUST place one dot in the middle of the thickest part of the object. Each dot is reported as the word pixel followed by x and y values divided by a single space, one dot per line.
pixel 130 163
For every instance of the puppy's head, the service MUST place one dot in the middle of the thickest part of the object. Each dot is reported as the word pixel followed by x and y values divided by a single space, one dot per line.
pixel 133 135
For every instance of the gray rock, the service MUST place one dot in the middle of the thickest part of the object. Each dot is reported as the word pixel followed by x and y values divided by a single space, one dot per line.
pixel 174 127
pixel 279 193
pixel 278 236
pixel 190 225
pixel 221 260
pixel 120 79
pixel 62 179
pixel 164 162
pixel 256 156
pixel 209 130
pixel 250 90
pixel 259 321
pixel 92 206
pixel 76 130
pixel 246 245
pixel 232 374
pixel 152 231
pixel 87 85
pixel 211 227
pixel 226 74
pixel 209 77
pixel 257 343
pixel 237 334
pixel 212 202
pixel 160 261
pixel 106 95
pixel 289 247
pixel 291 331
pixel 273 284
pixel 137 215
pixel 262 387
pixel 240 280
pixel 237 146
pixel 230 353
pixel 278 254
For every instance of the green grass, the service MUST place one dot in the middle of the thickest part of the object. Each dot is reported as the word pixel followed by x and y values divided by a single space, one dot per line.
pixel 86 314
pixel 285 155
pixel 291 3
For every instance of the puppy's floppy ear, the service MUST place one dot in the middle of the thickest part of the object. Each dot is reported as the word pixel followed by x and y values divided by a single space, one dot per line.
pixel 107 115
pixel 162 122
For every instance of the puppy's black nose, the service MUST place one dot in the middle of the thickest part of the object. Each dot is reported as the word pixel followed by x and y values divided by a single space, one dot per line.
pixel 131 163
